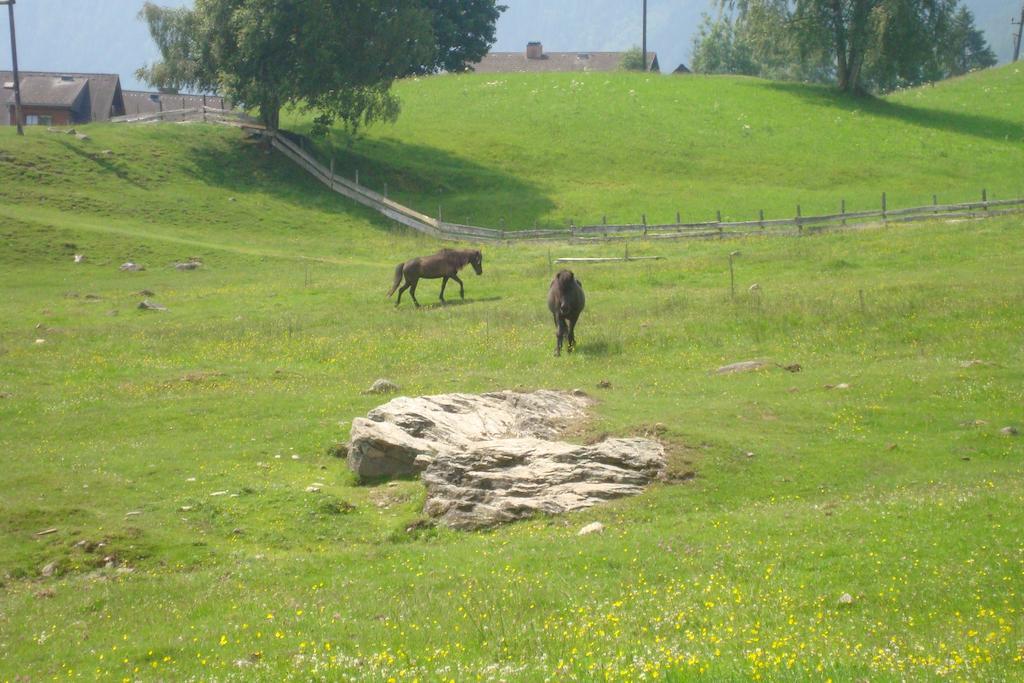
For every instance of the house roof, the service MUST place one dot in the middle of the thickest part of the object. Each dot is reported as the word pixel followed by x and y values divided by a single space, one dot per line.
pixel 46 91
pixel 511 62
pixel 52 89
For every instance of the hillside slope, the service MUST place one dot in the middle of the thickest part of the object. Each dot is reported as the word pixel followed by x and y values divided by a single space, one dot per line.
pixel 174 508
pixel 552 148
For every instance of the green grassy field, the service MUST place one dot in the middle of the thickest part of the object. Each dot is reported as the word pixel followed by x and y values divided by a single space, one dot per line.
pixel 171 451
pixel 534 149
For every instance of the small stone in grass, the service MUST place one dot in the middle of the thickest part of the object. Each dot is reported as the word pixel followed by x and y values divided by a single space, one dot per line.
pixel 592 528
pixel 382 386
pixel 148 305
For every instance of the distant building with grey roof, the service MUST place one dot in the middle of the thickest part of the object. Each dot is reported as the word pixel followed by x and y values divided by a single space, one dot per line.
pixel 65 99
pixel 534 59
pixel 61 99
pixel 139 102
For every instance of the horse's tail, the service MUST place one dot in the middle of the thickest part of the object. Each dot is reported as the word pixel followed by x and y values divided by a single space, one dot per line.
pixel 398 278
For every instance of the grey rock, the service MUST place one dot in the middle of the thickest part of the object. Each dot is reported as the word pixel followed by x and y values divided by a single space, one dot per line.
pixel 1009 431
pixel 49 569
pixel 592 528
pixel 131 267
pixel 382 386
pixel 188 265
pixel 492 458
pixel 744 366
pixel 148 305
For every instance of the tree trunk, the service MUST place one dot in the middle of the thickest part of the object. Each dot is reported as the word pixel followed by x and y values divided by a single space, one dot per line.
pixel 839 37
pixel 270 114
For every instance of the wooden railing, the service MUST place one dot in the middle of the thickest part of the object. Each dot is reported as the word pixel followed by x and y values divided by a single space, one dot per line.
pixel 717 229
pixel 202 113
pixel 797 225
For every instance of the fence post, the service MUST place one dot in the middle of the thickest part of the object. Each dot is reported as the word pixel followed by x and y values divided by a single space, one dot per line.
pixel 357 176
pixel 935 203
pixel 984 199
pixel 799 223
pixel 679 218
pixel 644 218
pixel 883 208
pixel 604 219
pixel 332 172
pixel 842 209
pixel 760 219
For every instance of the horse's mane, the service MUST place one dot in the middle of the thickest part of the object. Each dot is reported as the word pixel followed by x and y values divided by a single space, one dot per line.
pixel 459 257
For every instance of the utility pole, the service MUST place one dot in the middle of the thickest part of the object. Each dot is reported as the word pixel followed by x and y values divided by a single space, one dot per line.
pixel 645 35
pixel 14 64
pixel 1020 28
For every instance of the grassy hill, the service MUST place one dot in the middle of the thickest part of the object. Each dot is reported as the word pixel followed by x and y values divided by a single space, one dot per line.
pixel 551 148
pixel 170 452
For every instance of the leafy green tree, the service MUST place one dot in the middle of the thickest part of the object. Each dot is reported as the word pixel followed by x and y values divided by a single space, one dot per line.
pixel 337 58
pixel 965 47
pixel 861 45
pixel 717 49
pixel 633 59
pixel 464 31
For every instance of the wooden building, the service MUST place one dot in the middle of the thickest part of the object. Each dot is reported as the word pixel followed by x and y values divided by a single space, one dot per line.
pixel 61 99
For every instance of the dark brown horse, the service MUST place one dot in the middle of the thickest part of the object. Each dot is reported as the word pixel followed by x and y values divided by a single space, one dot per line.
pixel 565 301
pixel 444 264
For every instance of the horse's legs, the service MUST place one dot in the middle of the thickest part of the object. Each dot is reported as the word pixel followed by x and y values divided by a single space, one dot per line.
pixel 462 290
pixel 559 334
pixel 444 283
pixel 400 291
pixel 412 292
pixel 572 335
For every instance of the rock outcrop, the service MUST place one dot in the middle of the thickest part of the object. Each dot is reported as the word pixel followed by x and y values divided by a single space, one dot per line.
pixel 492 458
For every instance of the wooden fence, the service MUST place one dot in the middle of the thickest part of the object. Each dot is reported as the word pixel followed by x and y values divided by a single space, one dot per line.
pixel 205 114
pixel 717 229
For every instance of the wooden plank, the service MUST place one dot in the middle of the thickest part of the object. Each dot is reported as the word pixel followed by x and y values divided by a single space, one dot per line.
pixel 608 259
pixel 473 230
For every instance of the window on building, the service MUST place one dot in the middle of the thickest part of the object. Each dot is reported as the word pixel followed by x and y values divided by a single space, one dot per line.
pixel 38 120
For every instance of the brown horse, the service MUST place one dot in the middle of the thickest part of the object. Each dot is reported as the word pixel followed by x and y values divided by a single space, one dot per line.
pixel 444 264
pixel 565 301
